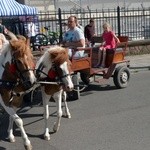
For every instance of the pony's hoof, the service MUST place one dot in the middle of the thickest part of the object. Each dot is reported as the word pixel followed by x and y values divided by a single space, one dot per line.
pixel 56 127
pixel 47 137
pixel 68 116
pixel 28 147
pixel 12 140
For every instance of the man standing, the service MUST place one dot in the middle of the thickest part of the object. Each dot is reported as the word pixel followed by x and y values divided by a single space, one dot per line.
pixel 31 30
pixel 89 31
pixel 74 37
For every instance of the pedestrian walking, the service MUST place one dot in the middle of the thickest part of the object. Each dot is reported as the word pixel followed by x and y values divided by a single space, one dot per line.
pixel 31 30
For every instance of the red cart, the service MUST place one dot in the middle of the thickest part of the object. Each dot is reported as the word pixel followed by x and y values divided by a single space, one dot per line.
pixel 117 67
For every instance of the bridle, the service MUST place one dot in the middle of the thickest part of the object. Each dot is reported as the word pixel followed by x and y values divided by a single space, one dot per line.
pixel 20 80
pixel 18 71
pixel 53 75
pixel 58 70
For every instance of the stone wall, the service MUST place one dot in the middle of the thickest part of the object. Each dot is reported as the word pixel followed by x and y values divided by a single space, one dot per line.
pixel 138 50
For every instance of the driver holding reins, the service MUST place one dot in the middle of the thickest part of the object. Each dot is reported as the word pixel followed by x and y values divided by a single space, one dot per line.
pixel 73 38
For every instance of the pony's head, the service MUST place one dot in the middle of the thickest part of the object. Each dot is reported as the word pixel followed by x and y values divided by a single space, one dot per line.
pixel 22 65
pixel 55 66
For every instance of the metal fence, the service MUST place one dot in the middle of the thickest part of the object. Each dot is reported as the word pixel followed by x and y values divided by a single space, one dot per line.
pixel 134 23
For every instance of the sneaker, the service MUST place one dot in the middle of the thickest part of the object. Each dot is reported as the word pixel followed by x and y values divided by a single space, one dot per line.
pixel 96 66
pixel 101 66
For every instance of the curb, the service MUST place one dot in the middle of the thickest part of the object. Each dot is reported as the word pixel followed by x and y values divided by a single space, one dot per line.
pixel 144 68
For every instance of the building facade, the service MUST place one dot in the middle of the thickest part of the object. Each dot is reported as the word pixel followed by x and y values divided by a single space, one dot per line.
pixel 67 5
pixel 41 5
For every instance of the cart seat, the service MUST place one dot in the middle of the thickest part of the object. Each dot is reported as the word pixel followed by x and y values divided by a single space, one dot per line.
pixel 84 62
pixel 117 54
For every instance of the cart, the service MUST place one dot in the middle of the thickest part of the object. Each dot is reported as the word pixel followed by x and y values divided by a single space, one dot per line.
pixel 117 67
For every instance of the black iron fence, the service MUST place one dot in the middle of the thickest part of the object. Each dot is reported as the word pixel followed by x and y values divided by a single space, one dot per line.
pixel 134 23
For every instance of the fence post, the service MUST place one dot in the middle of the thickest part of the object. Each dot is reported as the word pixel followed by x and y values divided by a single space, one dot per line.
pixel 89 11
pixel 60 25
pixel 118 19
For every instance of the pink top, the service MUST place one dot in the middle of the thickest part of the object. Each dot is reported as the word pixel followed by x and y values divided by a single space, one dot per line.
pixel 109 40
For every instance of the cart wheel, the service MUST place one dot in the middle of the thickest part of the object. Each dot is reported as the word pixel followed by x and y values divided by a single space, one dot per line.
pixel 121 77
pixel 75 94
pixel 41 39
pixel 85 77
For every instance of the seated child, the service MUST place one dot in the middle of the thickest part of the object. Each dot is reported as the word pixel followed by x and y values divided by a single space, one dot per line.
pixel 110 41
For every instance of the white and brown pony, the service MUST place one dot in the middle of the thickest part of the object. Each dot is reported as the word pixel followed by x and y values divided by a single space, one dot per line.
pixel 53 70
pixel 16 77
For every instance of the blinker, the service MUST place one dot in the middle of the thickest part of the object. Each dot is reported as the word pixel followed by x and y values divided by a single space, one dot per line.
pixel 12 68
pixel 52 74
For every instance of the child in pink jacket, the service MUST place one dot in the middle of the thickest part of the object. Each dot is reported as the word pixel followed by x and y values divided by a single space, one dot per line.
pixel 110 41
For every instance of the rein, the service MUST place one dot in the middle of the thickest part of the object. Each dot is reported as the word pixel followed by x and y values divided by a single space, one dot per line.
pixel 47 79
pixel 56 80
pixel 11 85
pixel 56 69
pixel 22 93
pixel 14 63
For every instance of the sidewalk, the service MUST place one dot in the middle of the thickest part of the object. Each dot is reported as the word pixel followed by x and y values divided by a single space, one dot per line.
pixel 139 61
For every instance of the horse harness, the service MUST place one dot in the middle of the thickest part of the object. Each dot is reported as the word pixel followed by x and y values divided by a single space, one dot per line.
pixel 10 85
pixel 53 76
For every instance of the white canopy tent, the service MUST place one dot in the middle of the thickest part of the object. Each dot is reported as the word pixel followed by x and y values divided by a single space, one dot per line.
pixel 13 8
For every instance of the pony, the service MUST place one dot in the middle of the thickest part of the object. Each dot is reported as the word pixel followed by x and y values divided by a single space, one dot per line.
pixel 53 71
pixel 16 78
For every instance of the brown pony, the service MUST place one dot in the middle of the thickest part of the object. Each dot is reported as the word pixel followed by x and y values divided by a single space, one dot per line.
pixel 16 78
pixel 53 71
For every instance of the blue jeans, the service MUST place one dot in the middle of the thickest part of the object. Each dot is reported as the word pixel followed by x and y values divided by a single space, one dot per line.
pixel 78 54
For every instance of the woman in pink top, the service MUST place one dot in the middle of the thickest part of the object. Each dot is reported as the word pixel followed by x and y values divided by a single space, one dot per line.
pixel 110 41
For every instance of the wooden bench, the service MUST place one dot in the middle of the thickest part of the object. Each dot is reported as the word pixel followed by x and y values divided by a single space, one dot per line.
pixel 117 55
pixel 82 63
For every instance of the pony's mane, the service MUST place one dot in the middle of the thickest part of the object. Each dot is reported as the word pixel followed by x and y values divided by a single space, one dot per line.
pixel 21 37
pixel 58 54
pixel 20 47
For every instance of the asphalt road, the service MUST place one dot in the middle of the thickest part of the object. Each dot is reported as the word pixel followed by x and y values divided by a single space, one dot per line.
pixel 104 118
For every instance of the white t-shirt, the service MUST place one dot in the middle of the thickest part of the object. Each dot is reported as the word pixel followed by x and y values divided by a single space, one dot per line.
pixel 74 35
pixel 31 28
